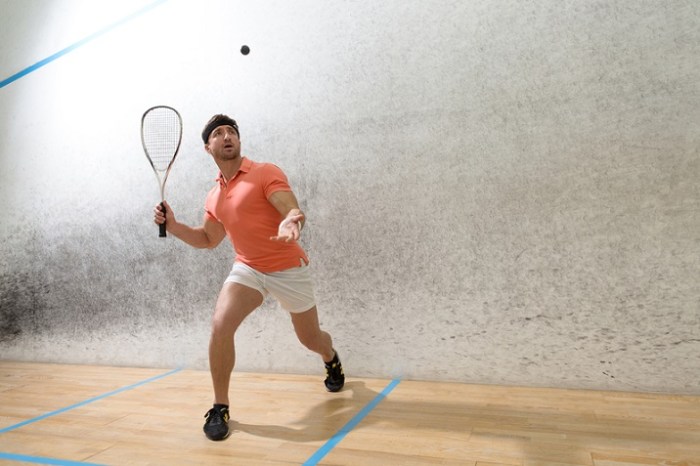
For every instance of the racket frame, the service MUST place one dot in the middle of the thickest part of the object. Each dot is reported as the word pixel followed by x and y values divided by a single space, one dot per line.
pixel 166 172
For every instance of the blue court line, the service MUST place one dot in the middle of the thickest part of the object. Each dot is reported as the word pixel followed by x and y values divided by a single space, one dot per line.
pixel 42 460
pixel 89 400
pixel 340 435
pixel 80 43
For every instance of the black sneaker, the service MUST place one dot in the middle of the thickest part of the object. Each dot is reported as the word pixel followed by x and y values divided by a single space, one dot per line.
pixel 335 379
pixel 216 424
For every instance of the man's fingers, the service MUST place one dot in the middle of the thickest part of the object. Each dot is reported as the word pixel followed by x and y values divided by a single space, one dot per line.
pixel 158 215
pixel 286 238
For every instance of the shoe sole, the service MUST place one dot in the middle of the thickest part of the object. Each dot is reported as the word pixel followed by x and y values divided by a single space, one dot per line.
pixel 334 389
pixel 219 439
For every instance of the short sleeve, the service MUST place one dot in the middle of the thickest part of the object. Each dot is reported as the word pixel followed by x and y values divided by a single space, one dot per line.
pixel 210 207
pixel 274 180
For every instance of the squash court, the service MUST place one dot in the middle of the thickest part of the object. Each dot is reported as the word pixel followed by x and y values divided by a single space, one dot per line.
pixel 501 216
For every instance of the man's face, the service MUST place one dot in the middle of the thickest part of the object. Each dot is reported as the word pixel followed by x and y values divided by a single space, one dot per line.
pixel 224 143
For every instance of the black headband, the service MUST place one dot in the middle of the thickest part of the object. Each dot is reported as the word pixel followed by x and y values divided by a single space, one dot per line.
pixel 215 122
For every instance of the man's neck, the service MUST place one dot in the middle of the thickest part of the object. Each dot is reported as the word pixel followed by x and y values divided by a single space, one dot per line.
pixel 229 167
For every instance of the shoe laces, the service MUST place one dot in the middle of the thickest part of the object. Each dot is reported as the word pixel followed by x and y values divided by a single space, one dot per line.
pixel 334 370
pixel 215 416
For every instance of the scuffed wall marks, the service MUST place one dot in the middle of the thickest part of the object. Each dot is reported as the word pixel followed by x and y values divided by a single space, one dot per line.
pixel 22 298
pixel 23 288
pixel 496 192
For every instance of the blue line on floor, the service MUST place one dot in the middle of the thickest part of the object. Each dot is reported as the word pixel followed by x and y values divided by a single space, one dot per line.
pixel 41 460
pixel 330 444
pixel 80 43
pixel 90 400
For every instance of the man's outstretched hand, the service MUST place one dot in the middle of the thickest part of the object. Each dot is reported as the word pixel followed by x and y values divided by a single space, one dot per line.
pixel 290 228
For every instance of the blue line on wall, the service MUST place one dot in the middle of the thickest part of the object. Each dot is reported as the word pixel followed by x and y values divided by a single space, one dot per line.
pixel 80 43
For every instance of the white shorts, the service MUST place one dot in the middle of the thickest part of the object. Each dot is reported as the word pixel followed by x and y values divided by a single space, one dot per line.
pixel 292 287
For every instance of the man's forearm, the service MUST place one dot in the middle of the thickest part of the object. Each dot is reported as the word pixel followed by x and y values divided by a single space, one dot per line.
pixel 194 236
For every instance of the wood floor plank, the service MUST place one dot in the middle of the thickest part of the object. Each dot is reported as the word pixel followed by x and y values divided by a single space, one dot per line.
pixel 284 419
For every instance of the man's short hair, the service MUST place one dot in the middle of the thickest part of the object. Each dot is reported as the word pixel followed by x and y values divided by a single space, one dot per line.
pixel 216 121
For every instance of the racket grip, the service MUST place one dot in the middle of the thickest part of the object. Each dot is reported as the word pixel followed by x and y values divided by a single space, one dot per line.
pixel 161 227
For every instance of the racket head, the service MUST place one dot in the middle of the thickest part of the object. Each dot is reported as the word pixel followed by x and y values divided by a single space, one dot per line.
pixel 161 135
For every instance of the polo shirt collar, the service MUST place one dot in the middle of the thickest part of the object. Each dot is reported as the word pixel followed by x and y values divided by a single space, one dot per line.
pixel 245 167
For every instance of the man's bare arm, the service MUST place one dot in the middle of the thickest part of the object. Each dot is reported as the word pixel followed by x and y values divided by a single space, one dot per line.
pixel 293 218
pixel 209 235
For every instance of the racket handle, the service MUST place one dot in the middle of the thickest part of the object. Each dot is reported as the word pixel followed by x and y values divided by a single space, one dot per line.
pixel 161 227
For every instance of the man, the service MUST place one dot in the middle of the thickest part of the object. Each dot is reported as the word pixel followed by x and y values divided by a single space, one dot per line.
pixel 254 206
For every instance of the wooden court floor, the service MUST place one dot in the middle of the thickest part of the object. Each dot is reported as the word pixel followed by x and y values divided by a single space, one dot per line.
pixel 65 414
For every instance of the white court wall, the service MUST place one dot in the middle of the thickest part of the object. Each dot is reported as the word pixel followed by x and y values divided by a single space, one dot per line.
pixel 497 192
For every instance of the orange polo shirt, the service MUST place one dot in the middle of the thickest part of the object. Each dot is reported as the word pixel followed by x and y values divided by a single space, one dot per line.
pixel 241 205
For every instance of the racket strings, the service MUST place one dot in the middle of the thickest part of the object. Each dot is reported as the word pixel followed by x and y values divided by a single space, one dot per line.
pixel 161 136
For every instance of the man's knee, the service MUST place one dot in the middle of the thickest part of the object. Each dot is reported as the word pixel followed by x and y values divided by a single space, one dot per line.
pixel 225 323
